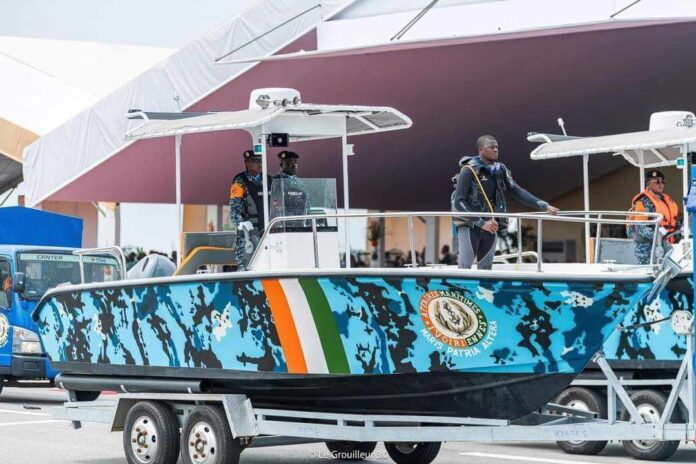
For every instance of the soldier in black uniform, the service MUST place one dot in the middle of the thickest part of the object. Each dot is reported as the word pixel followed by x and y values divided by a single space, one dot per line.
pixel 246 207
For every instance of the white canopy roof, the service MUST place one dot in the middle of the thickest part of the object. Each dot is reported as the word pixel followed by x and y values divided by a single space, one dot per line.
pixel 302 122
pixel 658 147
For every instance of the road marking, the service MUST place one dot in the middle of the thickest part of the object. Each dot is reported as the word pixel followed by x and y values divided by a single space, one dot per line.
pixel 7 424
pixel 526 458
pixel 27 413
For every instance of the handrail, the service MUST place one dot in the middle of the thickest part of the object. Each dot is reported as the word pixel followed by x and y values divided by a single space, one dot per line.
pixel 114 251
pixel 587 217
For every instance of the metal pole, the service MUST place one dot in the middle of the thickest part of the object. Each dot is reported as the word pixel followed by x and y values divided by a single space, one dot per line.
pixel 641 167
pixel 316 245
pixel 685 191
pixel 519 240
pixel 599 235
pixel 586 196
pixel 539 243
pixel 411 243
pixel 264 176
pixel 346 205
pixel 180 224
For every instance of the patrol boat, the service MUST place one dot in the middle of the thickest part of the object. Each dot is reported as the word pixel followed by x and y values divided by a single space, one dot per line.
pixel 300 330
pixel 643 343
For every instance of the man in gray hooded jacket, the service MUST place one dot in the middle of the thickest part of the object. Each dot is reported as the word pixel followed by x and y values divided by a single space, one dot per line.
pixel 481 187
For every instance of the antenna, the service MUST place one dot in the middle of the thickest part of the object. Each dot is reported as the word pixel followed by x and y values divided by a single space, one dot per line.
pixel 562 124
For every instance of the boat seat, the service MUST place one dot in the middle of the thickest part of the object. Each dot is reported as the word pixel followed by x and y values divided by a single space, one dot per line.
pixel 206 255
pixel 153 265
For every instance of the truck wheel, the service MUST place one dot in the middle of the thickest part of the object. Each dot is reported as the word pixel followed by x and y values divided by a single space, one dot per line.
pixel 151 434
pixel 351 450
pixel 206 438
pixel 413 453
pixel 650 405
pixel 583 399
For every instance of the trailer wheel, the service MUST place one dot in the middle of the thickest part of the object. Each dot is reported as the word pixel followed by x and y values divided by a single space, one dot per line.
pixel 206 438
pixel 413 453
pixel 650 405
pixel 583 399
pixel 151 434
pixel 351 450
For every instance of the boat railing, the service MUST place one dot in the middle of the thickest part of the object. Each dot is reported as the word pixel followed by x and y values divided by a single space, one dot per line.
pixel 598 218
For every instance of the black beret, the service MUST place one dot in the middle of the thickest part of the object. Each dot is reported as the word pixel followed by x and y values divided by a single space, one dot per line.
pixel 652 174
pixel 286 154
pixel 249 154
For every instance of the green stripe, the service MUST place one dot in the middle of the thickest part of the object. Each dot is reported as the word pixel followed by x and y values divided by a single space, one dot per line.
pixel 335 354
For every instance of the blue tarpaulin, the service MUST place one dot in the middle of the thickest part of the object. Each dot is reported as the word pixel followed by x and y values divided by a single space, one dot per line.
pixel 27 226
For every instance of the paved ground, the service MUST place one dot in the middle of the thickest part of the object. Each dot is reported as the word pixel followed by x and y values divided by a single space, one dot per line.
pixel 29 436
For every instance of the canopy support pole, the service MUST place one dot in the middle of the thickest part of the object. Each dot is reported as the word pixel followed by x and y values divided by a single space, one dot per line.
pixel 641 168
pixel 586 197
pixel 260 142
pixel 344 149
pixel 179 218
pixel 685 191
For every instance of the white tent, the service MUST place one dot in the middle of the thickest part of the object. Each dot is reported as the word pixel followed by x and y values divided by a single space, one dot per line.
pixel 178 82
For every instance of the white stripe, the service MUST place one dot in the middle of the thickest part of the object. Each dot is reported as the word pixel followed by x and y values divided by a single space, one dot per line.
pixel 527 458
pixel 27 413
pixel 6 424
pixel 306 328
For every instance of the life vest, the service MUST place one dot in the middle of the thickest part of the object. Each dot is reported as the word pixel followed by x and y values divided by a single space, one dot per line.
pixel 665 206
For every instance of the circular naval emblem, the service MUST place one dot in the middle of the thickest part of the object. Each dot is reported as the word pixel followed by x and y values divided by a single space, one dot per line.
pixel 4 330
pixel 453 319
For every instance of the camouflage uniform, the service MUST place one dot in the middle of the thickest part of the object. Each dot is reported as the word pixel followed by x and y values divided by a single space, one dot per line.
pixel 246 205
pixel 643 234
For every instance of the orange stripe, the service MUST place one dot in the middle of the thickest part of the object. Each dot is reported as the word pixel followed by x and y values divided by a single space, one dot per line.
pixel 285 325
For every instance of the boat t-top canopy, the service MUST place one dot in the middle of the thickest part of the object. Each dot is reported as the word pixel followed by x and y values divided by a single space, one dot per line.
pixel 666 144
pixel 646 149
pixel 275 117
pixel 301 122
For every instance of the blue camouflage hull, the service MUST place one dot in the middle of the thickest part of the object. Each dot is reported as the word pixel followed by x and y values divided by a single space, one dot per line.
pixel 361 343
pixel 654 346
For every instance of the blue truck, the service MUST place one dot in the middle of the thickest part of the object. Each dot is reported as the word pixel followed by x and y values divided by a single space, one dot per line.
pixel 38 250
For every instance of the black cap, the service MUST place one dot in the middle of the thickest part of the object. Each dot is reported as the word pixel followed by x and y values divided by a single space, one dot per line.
pixel 286 154
pixel 249 154
pixel 653 174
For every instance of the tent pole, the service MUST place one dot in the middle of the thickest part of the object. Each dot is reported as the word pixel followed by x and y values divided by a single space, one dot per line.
pixel 346 206
pixel 177 142
pixel 586 197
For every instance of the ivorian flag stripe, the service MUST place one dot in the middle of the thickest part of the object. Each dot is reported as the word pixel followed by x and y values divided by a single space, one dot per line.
pixel 285 325
pixel 329 336
pixel 306 328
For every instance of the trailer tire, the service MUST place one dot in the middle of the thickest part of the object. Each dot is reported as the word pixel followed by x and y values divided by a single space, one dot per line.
pixel 585 400
pixel 351 450
pixel 151 434
pixel 650 405
pixel 413 453
pixel 206 434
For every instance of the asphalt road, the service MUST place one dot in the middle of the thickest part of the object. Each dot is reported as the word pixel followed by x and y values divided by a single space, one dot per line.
pixel 29 436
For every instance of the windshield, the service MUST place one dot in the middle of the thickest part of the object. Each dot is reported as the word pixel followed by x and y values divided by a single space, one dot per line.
pixel 45 270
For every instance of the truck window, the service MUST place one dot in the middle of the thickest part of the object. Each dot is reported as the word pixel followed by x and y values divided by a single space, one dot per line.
pixel 5 283
pixel 46 270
